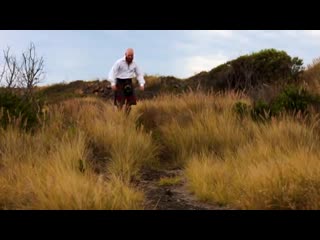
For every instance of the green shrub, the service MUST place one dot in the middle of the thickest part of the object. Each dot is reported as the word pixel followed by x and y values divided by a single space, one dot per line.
pixel 292 99
pixel 19 107
pixel 241 108
pixel 261 111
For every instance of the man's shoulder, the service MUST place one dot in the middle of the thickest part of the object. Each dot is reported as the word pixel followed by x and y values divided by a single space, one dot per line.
pixel 135 63
pixel 120 60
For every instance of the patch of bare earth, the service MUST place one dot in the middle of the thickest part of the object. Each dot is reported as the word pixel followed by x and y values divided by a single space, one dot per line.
pixel 170 197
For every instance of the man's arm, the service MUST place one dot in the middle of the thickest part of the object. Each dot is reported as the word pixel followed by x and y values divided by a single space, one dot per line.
pixel 140 77
pixel 113 74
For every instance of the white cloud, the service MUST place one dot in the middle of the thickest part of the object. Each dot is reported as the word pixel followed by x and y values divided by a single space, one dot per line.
pixel 116 33
pixel 312 36
pixel 196 39
pixel 210 34
pixel 313 33
pixel 194 64
pixel 201 38
pixel 72 55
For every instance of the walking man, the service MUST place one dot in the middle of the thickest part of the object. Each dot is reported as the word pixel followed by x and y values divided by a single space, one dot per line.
pixel 120 77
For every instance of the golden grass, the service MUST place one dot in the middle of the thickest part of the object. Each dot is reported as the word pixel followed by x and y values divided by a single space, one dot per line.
pixel 277 169
pixel 152 81
pixel 51 169
pixel 169 181
pixel 232 161
pixel 192 123
pixel 311 76
pixel 227 160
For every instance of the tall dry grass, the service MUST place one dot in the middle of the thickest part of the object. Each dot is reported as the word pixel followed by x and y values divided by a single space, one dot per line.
pixel 311 76
pixel 237 162
pixel 227 160
pixel 52 168
pixel 277 168
pixel 191 123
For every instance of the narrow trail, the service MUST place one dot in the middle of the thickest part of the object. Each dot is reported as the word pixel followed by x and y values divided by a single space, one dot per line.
pixel 173 197
pixel 158 197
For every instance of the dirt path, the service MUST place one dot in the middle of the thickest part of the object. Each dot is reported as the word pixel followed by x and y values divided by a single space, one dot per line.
pixel 169 197
pixel 173 197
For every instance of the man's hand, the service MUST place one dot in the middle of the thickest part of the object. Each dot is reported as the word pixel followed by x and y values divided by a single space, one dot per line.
pixel 114 87
pixel 141 88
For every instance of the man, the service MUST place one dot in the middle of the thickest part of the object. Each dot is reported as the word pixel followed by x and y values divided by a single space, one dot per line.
pixel 120 77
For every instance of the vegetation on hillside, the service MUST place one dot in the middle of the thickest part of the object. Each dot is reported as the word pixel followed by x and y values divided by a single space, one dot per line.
pixel 245 135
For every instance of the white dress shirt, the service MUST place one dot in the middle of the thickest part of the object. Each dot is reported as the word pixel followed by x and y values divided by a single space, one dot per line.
pixel 121 69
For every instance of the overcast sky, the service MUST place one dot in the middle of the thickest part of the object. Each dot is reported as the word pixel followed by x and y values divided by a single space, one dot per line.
pixel 88 55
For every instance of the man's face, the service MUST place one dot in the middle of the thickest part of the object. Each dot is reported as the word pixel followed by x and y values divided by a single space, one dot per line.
pixel 129 57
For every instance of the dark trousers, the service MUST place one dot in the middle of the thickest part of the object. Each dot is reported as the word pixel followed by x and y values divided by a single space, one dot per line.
pixel 124 93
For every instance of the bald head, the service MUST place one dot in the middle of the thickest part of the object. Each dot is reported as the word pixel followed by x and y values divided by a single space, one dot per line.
pixel 129 55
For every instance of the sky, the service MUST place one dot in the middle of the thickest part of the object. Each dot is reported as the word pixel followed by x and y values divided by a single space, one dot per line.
pixel 89 54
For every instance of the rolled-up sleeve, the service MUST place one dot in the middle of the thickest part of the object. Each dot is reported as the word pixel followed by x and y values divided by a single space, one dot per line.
pixel 113 74
pixel 139 75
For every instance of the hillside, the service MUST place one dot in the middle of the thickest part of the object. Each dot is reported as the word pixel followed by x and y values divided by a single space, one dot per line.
pixel 79 88
pixel 257 74
pixel 245 137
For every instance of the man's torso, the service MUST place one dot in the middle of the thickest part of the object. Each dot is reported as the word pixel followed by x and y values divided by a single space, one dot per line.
pixel 125 70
